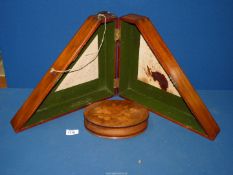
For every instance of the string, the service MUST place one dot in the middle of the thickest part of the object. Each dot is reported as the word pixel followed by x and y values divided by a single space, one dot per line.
pixel 96 56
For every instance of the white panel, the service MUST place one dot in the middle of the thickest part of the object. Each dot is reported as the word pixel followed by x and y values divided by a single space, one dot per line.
pixel 88 73
pixel 151 72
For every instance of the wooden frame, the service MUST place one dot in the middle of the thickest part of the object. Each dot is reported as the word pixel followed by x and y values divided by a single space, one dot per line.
pixel 172 68
pixel 50 79
pixel 159 49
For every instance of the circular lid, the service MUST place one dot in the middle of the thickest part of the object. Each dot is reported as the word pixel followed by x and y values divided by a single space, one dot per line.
pixel 115 113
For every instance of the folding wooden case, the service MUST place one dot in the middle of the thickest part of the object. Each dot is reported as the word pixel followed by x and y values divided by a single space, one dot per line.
pixel 133 62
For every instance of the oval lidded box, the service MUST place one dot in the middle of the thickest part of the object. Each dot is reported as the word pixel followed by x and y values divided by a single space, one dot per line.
pixel 116 118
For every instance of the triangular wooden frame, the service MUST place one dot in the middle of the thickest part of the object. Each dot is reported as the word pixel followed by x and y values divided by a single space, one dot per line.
pixel 67 56
pixel 158 47
pixel 183 85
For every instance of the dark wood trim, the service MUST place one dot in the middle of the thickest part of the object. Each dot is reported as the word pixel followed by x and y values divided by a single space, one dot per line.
pixel 116 132
pixel 3 83
pixel 158 47
pixel 66 57
pixel 116 59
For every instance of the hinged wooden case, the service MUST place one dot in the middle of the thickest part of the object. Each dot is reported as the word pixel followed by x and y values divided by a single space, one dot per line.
pixel 133 62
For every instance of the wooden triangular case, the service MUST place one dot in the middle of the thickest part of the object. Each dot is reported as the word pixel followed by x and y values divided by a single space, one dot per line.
pixel 133 62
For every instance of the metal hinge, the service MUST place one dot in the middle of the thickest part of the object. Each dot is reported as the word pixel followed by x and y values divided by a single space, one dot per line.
pixel 117 34
pixel 116 83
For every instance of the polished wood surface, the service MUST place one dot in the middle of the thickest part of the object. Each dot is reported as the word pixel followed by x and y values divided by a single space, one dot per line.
pixel 158 47
pixel 3 83
pixel 63 61
pixel 168 62
pixel 116 118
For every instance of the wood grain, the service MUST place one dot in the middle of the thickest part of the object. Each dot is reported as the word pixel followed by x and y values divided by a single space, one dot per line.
pixel 66 57
pixel 168 62
pixel 115 113
pixel 3 83
pixel 158 47
pixel 116 118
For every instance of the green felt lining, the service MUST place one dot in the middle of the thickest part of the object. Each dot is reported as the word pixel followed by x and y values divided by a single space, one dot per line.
pixel 70 99
pixel 157 100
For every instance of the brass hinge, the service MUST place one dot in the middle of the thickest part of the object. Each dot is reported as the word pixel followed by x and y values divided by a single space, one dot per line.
pixel 116 83
pixel 117 34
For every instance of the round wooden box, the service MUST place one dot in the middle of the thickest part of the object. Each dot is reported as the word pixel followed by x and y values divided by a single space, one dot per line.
pixel 115 118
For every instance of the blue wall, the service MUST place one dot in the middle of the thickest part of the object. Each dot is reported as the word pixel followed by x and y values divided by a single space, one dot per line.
pixel 198 32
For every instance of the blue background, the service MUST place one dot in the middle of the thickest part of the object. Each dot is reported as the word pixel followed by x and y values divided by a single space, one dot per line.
pixel 199 34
